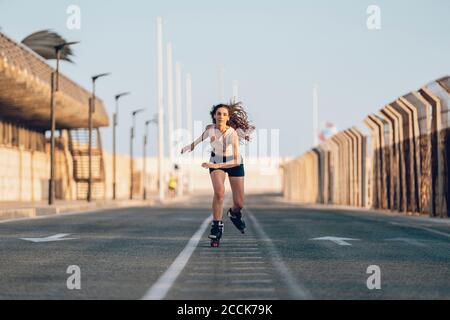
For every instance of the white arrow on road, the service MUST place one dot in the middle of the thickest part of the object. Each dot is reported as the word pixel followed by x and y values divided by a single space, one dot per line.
pixel 338 240
pixel 56 237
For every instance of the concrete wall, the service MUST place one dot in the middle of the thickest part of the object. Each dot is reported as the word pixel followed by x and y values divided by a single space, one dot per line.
pixel 122 176
pixel 261 175
pixel 24 175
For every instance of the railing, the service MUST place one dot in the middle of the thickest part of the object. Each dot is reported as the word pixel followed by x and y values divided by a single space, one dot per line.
pixel 79 147
pixel 402 165
pixel 16 135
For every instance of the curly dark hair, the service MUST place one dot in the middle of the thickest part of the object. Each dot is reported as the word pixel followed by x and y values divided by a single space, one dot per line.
pixel 238 119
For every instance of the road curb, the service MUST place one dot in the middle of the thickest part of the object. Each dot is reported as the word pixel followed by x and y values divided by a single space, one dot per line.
pixel 391 213
pixel 11 214
pixel 32 212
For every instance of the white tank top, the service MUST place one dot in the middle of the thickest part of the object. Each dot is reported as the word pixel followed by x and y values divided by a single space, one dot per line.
pixel 222 145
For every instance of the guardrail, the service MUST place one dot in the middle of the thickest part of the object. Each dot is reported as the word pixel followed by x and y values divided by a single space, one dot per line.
pixel 402 165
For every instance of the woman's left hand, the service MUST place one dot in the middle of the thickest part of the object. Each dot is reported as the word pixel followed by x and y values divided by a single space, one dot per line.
pixel 207 165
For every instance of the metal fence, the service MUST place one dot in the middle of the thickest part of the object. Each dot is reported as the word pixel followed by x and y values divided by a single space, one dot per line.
pixel 16 135
pixel 401 165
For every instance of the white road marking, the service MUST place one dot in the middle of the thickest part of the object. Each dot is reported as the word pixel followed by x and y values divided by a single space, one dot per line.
pixel 297 291
pixel 229 290
pixel 422 228
pixel 244 248
pixel 243 253
pixel 255 258
pixel 265 281
pixel 208 282
pixel 258 298
pixel 246 262
pixel 436 232
pixel 56 237
pixel 338 240
pixel 231 252
pixel 228 274
pixel 160 289
pixel 413 242
pixel 248 268
pixel 248 242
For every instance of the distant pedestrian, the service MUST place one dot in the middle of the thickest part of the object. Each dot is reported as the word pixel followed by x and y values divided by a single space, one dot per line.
pixel 173 183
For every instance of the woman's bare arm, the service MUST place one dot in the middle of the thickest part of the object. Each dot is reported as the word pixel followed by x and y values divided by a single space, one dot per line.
pixel 191 147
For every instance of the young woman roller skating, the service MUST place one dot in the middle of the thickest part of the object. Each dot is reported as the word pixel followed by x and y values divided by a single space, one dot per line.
pixel 230 126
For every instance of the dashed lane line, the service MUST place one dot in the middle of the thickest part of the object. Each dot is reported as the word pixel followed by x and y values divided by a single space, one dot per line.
pixel 297 290
pixel 160 289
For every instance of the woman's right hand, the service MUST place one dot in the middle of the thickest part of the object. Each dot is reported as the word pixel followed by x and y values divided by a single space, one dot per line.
pixel 186 149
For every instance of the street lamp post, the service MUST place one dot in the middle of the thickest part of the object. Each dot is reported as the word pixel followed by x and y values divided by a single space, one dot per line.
pixel 54 89
pixel 154 120
pixel 189 124
pixel 316 115
pixel 115 122
pixel 131 150
pixel 160 99
pixel 91 111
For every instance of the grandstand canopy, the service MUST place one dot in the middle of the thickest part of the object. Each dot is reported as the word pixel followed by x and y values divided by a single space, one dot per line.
pixel 25 90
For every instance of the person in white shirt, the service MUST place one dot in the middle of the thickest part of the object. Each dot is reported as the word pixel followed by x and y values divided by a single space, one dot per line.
pixel 230 126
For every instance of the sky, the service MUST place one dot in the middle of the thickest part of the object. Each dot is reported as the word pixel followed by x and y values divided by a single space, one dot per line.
pixel 276 50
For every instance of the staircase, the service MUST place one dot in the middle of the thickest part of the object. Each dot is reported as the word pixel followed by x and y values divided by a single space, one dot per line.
pixel 79 147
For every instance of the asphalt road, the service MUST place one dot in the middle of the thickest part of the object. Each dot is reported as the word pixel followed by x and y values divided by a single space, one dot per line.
pixel 162 252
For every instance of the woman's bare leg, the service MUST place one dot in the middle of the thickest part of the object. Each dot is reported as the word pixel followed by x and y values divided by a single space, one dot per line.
pixel 237 186
pixel 218 182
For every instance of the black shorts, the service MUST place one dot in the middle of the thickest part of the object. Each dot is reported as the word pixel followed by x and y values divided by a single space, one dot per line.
pixel 237 171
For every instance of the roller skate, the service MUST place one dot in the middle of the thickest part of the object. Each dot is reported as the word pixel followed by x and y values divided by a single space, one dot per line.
pixel 236 218
pixel 216 233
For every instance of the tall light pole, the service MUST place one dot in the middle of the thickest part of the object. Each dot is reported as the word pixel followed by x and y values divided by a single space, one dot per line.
pixel 131 150
pixel 316 115
pixel 235 91
pixel 115 122
pixel 160 86
pixel 179 105
pixel 170 99
pixel 178 95
pixel 189 122
pixel 154 120
pixel 221 84
pixel 91 111
pixel 54 89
